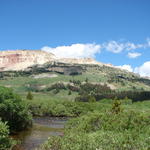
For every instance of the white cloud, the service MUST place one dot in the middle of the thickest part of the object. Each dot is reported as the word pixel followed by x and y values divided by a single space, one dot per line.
pixel 90 50
pixel 134 55
pixel 130 46
pixel 117 47
pixel 74 50
pixel 113 46
pixel 126 67
pixel 143 70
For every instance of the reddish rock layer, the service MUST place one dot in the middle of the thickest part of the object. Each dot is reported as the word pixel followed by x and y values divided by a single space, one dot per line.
pixel 21 59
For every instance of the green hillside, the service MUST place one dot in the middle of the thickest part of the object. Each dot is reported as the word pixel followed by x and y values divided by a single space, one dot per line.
pixel 38 79
pixel 102 101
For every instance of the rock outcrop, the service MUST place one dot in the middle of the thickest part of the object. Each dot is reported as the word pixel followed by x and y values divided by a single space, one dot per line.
pixel 16 60
pixel 79 61
pixel 21 59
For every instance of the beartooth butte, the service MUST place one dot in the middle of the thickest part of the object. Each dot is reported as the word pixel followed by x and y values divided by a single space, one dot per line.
pixel 21 59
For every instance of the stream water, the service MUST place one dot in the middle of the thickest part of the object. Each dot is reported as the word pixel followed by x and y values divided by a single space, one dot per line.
pixel 43 127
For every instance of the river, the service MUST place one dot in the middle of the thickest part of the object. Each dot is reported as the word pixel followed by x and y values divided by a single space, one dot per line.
pixel 43 127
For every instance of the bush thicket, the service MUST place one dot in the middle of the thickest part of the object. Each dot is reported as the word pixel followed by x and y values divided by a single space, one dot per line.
pixel 128 130
pixel 5 141
pixel 14 111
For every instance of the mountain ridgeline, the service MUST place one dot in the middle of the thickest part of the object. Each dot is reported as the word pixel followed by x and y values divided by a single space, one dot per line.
pixel 39 71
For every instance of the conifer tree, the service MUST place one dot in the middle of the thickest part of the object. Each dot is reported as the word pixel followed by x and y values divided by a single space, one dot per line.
pixel 29 96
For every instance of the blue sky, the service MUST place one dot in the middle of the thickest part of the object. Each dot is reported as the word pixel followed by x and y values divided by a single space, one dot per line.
pixel 112 31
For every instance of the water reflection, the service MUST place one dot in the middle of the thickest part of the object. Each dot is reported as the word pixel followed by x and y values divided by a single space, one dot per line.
pixel 41 130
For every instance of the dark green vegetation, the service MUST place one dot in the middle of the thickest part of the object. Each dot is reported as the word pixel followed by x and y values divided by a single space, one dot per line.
pixel 127 130
pixel 5 141
pixel 88 93
pixel 14 116
pixel 14 110
pixel 29 96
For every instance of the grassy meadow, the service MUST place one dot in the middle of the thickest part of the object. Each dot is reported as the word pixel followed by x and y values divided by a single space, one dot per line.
pixel 98 123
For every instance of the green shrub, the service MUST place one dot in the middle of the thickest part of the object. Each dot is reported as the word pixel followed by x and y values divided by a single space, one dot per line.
pixel 92 99
pixel 116 106
pixel 29 96
pixel 105 131
pixel 5 141
pixel 14 111
pixel 69 93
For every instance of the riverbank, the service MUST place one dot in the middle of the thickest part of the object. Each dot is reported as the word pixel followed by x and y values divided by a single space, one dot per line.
pixel 42 128
pixel 123 127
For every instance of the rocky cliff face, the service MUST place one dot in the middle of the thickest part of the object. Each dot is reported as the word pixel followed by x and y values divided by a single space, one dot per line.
pixel 22 59
pixel 79 61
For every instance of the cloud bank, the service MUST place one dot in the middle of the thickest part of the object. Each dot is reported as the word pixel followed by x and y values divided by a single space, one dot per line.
pixel 90 50
pixel 143 70
pixel 75 50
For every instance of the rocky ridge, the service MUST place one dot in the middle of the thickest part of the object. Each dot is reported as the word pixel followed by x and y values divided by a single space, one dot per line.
pixel 21 59
pixel 16 60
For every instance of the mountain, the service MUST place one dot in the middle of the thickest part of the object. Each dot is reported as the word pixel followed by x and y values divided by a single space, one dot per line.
pixel 25 70
pixel 22 59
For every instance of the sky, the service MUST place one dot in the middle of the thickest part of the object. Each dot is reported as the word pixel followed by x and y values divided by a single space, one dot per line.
pixel 111 31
